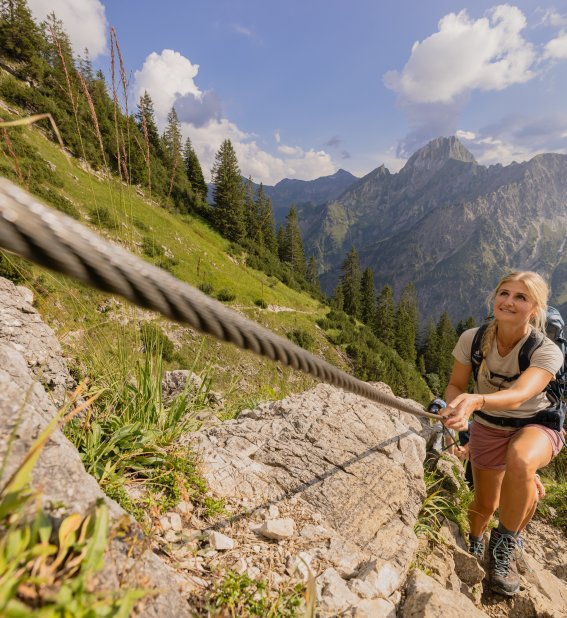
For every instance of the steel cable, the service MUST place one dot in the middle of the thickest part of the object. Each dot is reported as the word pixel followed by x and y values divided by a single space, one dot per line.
pixel 60 243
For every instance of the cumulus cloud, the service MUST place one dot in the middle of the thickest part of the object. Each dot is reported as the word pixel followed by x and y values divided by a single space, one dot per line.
pixel 84 21
pixel 199 110
pixel 557 47
pixel 169 78
pixel 465 54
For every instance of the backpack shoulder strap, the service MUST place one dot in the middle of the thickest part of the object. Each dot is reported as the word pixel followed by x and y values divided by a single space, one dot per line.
pixel 532 343
pixel 476 354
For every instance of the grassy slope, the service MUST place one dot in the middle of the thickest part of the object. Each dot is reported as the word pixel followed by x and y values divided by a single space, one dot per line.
pixel 199 255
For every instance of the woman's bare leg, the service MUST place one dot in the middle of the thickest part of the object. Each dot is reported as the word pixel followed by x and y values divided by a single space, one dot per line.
pixel 487 485
pixel 529 450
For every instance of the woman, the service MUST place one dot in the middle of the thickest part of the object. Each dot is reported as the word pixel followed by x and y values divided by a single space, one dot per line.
pixel 505 459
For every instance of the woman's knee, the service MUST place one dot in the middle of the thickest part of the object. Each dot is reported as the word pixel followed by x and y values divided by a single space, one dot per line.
pixel 521 464
pixel 484 505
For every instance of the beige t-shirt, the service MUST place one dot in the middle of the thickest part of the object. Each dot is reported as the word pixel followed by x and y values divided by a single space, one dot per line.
pixel 548 356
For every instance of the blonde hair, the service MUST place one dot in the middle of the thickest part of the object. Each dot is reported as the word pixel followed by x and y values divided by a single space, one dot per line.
pixel 538 291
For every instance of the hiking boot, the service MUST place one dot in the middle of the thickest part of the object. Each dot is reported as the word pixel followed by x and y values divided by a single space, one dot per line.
pixel 504 577
pixel 476 548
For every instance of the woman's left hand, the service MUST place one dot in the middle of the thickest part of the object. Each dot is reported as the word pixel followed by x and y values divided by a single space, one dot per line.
pixel 457 413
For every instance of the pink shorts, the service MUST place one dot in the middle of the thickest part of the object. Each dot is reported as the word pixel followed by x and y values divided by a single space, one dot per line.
pixel 488 446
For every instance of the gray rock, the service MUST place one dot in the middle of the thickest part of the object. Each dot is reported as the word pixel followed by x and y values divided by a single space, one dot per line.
pixel 26 293
pixel 219 541
pixel 278 529
pixel 382 577
pixel 334 593
pixel 22 329
pixel 375 608
pixel 176 382
pixel 426 598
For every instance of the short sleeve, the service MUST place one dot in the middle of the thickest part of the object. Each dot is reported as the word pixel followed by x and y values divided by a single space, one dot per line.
pixel 462 351
pixel 548 356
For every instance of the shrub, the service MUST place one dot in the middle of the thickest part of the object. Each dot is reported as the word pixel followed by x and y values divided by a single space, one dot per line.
pixel 156 341
pixel 260 302
pixel 14 268
pixel 104 218
pixel 225 295
pixel 302 338
pixel 206 288
pixel 151 248
pixel 57 200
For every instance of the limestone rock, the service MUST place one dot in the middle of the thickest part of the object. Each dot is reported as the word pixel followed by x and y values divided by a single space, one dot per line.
pixel 176 382
pixel 334 593
pixel 278 529
pixel 219 541
pixel 425 598
pixel 375 608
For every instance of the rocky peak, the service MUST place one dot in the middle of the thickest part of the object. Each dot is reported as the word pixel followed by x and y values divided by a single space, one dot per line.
pixel 435 154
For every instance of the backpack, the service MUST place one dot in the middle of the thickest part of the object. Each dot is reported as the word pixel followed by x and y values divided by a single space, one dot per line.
pixel 554 415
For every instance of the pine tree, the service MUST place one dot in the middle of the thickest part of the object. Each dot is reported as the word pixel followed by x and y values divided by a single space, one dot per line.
pixel 446 339
pixel 293 252
pixel 228 193
pixel 350 280
pixel 464 325
pixel 407 323
pixel 146 121
pixel 20 37
pixel 251 217
pixel 194 171
pixel 431 348
pixel 367 297
pixel 311 275
pixel 338 299
pixel 266 222
pixel 385 320
pixel 281 242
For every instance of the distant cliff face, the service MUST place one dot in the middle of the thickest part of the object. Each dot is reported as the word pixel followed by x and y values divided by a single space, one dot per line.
pixel 448 224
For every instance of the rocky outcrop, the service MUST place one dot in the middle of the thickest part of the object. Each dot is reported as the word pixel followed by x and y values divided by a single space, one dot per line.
pixel 29 357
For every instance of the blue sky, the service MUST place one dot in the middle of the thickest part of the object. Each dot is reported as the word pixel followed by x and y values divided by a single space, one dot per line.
pixel 305 87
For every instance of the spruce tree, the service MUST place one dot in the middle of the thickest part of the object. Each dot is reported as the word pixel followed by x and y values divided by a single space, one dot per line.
pixel 338 299
pixel 446 338
pixel 385 320
pixel 228 193
pixel 350 280
pixel 146 121
pixel 311 275
pixel 464 325
pixel 20 37
pixel 266 222
pixel 367 297
pixel 407 323
pixel 194 171
pixel 431 348
pixel 281 242
pixel 293 252
pixel 251 218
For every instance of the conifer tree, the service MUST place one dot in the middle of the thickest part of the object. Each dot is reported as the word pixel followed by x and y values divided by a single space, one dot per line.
pixel 464 325
pixel 367 297
pixel 338 299
pixel 194 171
pixel 146 116
pixel 228 193
pixel 350 280
pixel 446 339
pixel 431 348
pixel 281 242
pixel 311 275
pixel 20 37
pixel 407 322
pixel 266 221
pixel 385 320
pixel 251 217
pixel 293 252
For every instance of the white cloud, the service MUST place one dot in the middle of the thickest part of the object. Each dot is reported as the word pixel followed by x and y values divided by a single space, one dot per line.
pixel 243 30
pixel 166 76
pixel 292 151
pixel 557 47
pixel 84 21
pixel 553 18
pixel 169 78
pixel 468 135
pixel 464 55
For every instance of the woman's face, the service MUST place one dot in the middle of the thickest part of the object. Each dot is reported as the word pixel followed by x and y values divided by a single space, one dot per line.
pixel 513 304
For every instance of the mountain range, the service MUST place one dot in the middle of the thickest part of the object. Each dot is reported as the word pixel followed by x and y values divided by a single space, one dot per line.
pixel 444 222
